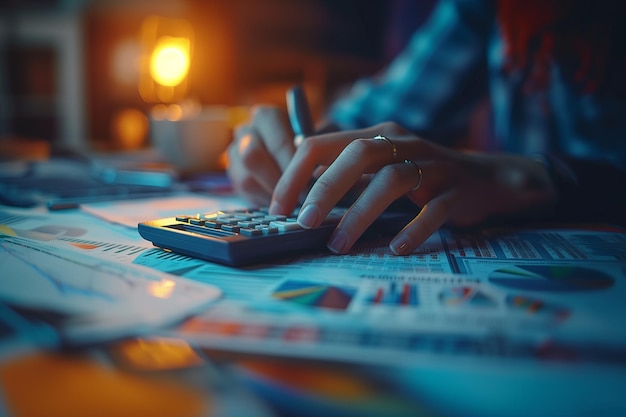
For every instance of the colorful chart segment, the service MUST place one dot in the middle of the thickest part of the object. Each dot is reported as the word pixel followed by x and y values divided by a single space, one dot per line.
pixel 550 278
pixel 397 295
pixel 466 296
pixel 314 294
pixel 535 306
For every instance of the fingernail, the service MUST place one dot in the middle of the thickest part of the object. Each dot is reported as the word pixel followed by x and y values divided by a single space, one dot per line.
pixel 338 241
pixel 309 216
pixel 400 245
pixel 275 208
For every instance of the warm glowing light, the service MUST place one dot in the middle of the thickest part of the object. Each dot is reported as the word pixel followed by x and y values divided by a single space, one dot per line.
pixel 165 64
pixel 162 289
pixel 169 63
pixel 130 128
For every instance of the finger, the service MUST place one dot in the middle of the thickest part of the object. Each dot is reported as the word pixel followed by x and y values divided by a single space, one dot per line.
pixel 432 216
pixel 404 144
pixel 358 157
pixel 407 146
pixel 272 126
pixel 251 167
pixel 310 160
pixel 391 182
pixel 315 151
pixel 322 150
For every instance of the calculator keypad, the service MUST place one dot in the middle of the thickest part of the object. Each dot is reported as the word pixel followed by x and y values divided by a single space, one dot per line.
pixel 253 222
pixel 238 237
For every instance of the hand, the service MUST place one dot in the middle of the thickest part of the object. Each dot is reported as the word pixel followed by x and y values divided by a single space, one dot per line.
pixel 454 187
pixel 259 153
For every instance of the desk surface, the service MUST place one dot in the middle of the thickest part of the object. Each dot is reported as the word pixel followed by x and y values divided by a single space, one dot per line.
pixel 447 331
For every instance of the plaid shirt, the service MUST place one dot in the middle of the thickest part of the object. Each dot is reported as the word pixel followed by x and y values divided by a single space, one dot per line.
pixel 454 62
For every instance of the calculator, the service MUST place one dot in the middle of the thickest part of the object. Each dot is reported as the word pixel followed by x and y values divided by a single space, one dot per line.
pixel 245 236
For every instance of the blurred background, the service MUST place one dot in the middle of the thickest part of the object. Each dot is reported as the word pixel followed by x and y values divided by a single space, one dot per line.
pixel 96 74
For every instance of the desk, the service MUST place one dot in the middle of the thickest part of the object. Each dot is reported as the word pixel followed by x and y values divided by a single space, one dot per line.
pixel 208 366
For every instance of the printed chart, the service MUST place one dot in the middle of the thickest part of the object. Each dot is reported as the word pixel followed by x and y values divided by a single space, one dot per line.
pixel 535 306
pixel 98 297
pixel 551 278
pixel 466 296
pixel 395 294
pixel 315 295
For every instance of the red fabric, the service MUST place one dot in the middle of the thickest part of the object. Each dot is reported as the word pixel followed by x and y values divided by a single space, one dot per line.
pixel 575 34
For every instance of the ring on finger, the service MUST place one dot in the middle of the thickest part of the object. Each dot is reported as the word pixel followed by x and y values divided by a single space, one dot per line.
pixel 394 150
pixel 420 174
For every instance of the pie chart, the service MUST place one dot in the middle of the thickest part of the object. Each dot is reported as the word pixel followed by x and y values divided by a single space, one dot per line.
pixel 314 294
pixel 550 278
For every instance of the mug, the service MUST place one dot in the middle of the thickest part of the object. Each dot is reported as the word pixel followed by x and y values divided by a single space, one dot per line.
pixel 195 143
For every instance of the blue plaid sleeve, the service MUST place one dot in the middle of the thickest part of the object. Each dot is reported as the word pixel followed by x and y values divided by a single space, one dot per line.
pixel 433 85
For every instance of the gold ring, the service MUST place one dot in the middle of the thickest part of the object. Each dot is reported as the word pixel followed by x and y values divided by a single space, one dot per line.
pixel 419 173
pixel 394 150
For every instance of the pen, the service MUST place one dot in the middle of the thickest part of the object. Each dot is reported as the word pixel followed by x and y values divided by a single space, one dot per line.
pixel 299 114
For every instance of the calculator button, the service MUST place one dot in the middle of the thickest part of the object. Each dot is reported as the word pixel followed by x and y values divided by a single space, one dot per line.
pixel 250 232
pixel 228 220
pixel 182 219
pixel 242 217
pixel 277 217
pixel 208 231
pixel 198 222
pixel 284 226
pixel 248 224
pixel 266 229
pixel 230 228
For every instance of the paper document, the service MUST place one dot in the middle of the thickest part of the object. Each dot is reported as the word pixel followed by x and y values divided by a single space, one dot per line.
pixel 96 298
pixel 129 213
pixel 524 294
